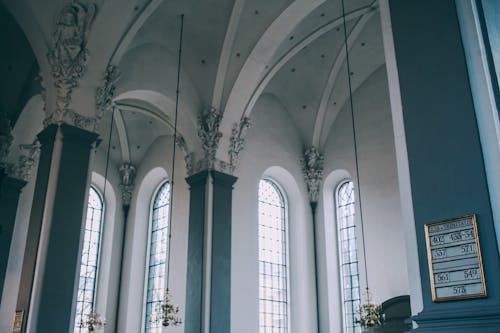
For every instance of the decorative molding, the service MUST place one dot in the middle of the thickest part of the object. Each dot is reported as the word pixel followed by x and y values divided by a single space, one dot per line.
pixel 25 163
pixel 83 122
pixel 312 167
pixel 28 160
pixel 188 157
pixel 127 173
pixel 43 92
pixel 68 58
pixel 209 134
pixel 104 94
pixel 237 142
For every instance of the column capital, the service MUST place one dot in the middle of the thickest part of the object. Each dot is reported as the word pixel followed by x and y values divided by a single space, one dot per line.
pixel 74 134
pixel 223 178
pixel 48 134
pixel 197 179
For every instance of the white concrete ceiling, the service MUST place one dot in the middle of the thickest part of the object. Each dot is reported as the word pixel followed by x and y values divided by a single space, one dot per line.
pixel 233 52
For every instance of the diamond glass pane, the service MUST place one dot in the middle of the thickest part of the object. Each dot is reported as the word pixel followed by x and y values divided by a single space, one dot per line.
pixel 348 256
pixel 90 256
pixel 157 266
pixel 273 270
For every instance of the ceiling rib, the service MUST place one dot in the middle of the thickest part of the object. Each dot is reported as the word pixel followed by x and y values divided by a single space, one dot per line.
pixel 227 49
pixel 296 49
pixel 332 78
pixel 135 108
pixel 122 136
pixel 127 38
pixel 264 50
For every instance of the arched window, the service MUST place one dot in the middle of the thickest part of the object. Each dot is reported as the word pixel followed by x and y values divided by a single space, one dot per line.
pixel 348 255
pixel 90 258
pixel 273 267
pixel 157 263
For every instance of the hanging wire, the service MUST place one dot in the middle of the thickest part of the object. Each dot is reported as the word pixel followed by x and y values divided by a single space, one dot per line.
pixel 351 104
pixel 174 144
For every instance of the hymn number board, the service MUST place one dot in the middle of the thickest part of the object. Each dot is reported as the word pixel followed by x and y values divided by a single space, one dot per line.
pixel 454 256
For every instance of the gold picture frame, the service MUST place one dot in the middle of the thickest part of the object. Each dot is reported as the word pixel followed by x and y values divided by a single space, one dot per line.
pixel 443 239
pixel 17 321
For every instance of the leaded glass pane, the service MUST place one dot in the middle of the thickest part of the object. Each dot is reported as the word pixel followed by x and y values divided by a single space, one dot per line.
pixel 273 270
pixel 157 266
pixel 90 256
pixel 348 256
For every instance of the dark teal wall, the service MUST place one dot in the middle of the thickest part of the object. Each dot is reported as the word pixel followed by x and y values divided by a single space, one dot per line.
pixel 444 152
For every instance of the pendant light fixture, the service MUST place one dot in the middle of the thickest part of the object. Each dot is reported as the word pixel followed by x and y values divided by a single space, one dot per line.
pixel 94 320
pixel 355 146
pixel 174 146
pixel 169 311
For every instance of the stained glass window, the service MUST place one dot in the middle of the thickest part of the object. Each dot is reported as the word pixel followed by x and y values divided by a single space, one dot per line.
pixel 348 256
pixel 273 268
pixel 90 257
pixel 157 265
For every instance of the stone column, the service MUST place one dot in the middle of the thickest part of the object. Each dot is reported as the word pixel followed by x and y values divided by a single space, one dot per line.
pixel 194 283
pixel 446 167
pixel 10 189
pixel 209 253
pixel 220 293
pixel 58 210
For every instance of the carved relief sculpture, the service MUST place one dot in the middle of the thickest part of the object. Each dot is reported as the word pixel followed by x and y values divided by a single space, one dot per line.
pixel 28 160
pixel 188 157
pixel 68 55
pixel 237 142
pixel 104 94
pixel 208 132
pixel 312 167
pixel 127 172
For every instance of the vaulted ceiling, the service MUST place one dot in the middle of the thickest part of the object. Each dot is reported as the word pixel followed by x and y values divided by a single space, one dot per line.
pixel 233 52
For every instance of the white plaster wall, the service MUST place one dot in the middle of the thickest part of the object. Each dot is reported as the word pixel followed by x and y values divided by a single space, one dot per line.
pixel 111 236
pixel 153 170
pixel 273 148
pixel 383 226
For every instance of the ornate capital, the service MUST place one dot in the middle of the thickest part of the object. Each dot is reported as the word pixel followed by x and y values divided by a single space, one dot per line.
pixel 25 163
pixel 237 142
pixel 68 56
pixel 208 132
pixel 312 167
pixel 188 157
pixel 127 173
pixel 104 94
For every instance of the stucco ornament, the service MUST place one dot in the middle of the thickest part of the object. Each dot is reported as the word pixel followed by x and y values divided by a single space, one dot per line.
pixel 5 136
pixel 68 57
pixel 127 173
pixel 208 132
pixel 312 167
pixel 237 142
pixel 26 162
pixel 188 156
pixel 104 94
